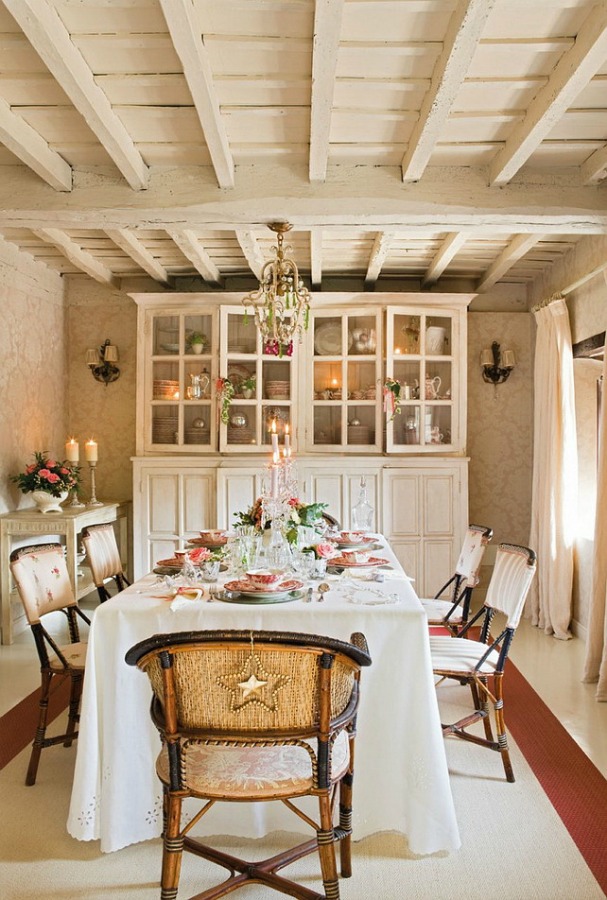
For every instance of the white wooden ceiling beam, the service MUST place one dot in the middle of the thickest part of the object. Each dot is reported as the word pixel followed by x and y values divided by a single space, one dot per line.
pixel 49 37
pixel 189 244
pixel 82 259
pixel 381 248
pixel 463 34
pixel 572 73
pixel 594 169
pixel 251 249
pixel 316 257
pixel 448 249
pixel 327 31
pixel 517 248
pixel 25 142
pixel 189 44
pixel 138 252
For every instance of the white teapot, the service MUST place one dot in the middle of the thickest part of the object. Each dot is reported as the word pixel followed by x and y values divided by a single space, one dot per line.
pixel 432 387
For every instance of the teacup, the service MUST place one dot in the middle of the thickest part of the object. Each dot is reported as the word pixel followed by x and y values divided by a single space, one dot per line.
pixel 265 578
pixel 180 555
pixel 355 556
pixel 352 537
pixel 214 537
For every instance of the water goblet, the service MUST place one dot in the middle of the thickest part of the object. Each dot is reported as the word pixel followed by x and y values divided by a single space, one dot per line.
pixel 210 569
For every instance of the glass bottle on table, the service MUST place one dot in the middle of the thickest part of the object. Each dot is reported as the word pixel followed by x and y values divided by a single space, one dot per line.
pixel 362 511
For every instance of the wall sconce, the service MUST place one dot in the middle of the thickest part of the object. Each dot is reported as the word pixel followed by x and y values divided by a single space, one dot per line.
pixel 497 364
pixel 101 362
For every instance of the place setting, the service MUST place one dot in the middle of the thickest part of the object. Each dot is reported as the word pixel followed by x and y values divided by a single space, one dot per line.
pixel 262 586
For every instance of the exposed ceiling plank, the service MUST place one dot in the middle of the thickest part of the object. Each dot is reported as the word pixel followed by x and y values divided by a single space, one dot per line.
pixel 251 250
pixel 82 259
pixel 25 142
pixel 448 249
pixel 133 247
pixel 316 257
pixel 464 32
pixel 572 73
pixel 190 246
pixel 189 44
pixel 51 40
pixel 594 169
pixel 518 247
pixel 381 248
pixel 327 31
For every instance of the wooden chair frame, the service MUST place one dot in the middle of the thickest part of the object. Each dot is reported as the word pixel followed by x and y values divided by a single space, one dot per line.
pixel 328 659
pixel 487 688
pixel 45 642
pixel 104 568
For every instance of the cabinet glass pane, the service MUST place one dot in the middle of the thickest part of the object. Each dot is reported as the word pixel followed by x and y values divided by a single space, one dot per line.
pixel 198 334
pixel 362 336
pixel 407 372
pixel 437 424
pixel 361 425
pixel 327 381
pixel 328 339
pixel 279 414
pixel 166 335
pixel 197 381
pixel 165 385
pixel 361 381
pixel 240 374
pixel 241 424
pixel 197 423
pixel 438 380
pixel 406 335
pixel 276 380
pixel 437 336
pixel 327 424
pixel 242 338
pixel 165 423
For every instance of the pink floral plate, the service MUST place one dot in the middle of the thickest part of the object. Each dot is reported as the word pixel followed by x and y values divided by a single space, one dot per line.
pixel 363 544
pixel 248 589
pixel 351 564
pixel 207 542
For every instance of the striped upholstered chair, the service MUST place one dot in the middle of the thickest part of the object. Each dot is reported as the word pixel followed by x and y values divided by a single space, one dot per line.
pixel 104 558
pixel 44 587
pixel 255 716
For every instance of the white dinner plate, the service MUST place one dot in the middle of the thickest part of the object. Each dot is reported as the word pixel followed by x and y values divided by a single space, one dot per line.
pixel 327 339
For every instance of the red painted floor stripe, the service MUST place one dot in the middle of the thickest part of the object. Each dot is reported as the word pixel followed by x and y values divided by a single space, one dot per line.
pixel 18 725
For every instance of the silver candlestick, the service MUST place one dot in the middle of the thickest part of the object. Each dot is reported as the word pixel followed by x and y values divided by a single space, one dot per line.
pixel 93 501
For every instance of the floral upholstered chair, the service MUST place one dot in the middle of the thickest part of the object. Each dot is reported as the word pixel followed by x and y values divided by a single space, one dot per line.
pixel 104 558
pixel 44 587
pixel 255 716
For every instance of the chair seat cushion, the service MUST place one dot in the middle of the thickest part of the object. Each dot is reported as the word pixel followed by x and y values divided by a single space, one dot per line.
pixel 256 772
pixel 436 610
pixel 75 654
pixel 453 654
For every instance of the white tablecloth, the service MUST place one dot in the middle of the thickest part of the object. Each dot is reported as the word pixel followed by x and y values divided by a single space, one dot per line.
pixel 401 781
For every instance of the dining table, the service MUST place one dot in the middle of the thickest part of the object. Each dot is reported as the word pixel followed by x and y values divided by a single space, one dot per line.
pixel 401 781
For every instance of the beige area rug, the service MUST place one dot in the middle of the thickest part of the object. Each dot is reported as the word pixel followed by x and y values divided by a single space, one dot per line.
pixel 514 845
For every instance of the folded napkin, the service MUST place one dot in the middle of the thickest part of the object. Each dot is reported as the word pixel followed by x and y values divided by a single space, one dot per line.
pixel 184 596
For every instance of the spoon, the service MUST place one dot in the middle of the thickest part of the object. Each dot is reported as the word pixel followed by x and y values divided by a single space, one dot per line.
pixel 322 590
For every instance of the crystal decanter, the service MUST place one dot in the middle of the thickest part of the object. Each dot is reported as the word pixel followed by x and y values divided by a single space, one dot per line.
pixel 362 512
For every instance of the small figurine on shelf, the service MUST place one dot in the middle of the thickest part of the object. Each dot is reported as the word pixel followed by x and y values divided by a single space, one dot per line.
pixel 362 512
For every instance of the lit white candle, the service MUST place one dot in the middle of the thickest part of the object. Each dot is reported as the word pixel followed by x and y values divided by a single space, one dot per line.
pixel 274 482
pixel 72 450
pixel 287 441
pixel 274 437
pixel 91 451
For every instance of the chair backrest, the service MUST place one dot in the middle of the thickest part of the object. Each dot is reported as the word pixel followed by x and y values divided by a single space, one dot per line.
pixel 240 685
pixel 102 552
pixel 472 552
pixel 42 579
pixel 510 581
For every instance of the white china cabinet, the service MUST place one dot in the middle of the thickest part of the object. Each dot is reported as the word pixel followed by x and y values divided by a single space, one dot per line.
pixel 194 471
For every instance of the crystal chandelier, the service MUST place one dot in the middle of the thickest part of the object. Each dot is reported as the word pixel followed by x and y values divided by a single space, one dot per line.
pixel 281 303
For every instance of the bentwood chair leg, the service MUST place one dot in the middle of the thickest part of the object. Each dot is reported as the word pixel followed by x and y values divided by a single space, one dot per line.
pixel 481 703
pixel 500 724
pixel 37 745
pixel 326 849
pixel 72 720
pixel 345 822
pixel 172 850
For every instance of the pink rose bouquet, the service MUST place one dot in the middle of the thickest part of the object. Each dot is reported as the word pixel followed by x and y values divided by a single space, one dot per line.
pixel 47 474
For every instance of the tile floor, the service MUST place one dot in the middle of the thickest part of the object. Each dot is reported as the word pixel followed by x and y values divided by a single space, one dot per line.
pixel 552 667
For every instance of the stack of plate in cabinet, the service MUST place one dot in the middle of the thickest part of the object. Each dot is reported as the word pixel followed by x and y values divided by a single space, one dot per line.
pixel 278 390
pixel 240 435
pixel 197 436
pixel 166 389
pixel 359 434
pixel 164 430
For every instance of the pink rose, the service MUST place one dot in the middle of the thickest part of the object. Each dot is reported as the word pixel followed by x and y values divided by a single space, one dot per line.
pixel 52 477
pixel 64 471
pixel 293 502
pixel 200 554
pixel 44 473
pixel 31 468
pixel 325 551
pixel 50 463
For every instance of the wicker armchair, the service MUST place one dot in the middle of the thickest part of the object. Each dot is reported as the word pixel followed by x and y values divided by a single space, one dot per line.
pixel 44 587
pixel 255 716
pixel 104 558
pixel 480 663
pixel 452 612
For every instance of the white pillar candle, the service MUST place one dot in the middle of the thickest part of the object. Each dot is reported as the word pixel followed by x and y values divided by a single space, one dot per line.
pixel 274 482
pixel 274 438
pixel 72 450
pixel 287 441
pixel 91 451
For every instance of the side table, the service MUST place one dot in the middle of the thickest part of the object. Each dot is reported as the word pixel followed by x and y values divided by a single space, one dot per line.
pixel 69 523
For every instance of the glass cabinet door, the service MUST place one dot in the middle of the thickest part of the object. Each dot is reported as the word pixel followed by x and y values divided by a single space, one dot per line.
pixel 344 366
pixel 420 360
pixel 182 375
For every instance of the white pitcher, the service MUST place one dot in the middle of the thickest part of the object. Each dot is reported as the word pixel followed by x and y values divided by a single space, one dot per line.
pixel 432 387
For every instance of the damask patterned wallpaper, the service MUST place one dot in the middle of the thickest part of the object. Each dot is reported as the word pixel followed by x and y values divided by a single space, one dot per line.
pixel 33 376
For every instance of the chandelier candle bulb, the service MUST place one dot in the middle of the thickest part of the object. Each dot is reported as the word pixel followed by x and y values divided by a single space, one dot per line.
pixel 72 451
pixel 274 438
pixel 91 451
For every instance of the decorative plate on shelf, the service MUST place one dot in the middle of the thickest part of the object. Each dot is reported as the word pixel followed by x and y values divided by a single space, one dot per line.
pixel 327 339
pixel 237 374
pixel 170 348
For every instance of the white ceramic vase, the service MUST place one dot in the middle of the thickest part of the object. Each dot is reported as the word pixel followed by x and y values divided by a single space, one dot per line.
pixel 46 503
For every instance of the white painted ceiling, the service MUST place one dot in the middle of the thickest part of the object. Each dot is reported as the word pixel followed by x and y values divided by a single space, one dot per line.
pixel 413 141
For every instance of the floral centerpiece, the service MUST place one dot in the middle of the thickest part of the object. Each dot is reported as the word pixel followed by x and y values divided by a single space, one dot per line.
pixel 299 513
pixel 49 475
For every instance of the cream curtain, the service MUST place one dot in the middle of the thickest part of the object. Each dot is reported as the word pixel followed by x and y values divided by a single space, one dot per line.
pixel 595 665
pixel 554 490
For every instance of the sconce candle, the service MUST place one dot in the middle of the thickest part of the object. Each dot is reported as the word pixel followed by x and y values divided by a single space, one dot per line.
pixel 72 450
pixel 91 451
